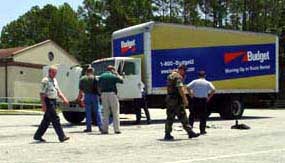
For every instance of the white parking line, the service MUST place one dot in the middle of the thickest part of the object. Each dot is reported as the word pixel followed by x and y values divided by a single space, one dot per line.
pixel 228 156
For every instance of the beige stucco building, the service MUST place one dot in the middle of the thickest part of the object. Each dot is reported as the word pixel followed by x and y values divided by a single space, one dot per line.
pixel 21 68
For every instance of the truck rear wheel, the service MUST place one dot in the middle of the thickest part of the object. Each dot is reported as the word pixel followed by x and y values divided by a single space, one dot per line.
pixel 231 109
pixel 74 117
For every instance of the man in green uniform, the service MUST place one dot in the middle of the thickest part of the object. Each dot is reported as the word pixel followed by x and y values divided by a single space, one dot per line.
pixel 176 101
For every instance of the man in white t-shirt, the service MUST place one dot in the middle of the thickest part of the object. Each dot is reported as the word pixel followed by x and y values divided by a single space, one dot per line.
pixel 202 91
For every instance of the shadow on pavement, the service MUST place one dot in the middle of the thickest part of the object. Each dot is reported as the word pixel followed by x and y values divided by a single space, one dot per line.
pixel 126 122
pixel 47 142
pixel 174 140
pixel 65 125
pixel 254 117
pixel 162 121
pixel 133 122
pixel 243 118
pixel 77 132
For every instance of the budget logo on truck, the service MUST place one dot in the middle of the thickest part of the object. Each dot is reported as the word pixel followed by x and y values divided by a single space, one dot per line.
pixel 247 56
pixel 128 46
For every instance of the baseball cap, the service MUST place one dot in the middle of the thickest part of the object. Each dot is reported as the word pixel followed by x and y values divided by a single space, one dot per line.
pixel 110 68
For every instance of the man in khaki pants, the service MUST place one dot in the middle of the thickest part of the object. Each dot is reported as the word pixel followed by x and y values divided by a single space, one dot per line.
pixel 110 101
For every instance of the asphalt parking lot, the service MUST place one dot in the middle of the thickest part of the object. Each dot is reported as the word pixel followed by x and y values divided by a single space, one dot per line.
pixel 263 143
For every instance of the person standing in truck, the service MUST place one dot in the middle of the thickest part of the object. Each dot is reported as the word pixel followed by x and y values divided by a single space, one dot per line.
pixel 110 101
pixel 49 93
pixel 202 91
pixel 176 101
pixel 88 90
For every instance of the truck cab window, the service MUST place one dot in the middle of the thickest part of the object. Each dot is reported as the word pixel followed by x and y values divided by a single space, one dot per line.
pixel 100 67
pixel 129 68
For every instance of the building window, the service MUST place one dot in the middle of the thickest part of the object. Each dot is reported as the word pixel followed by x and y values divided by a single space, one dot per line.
pixel 50 56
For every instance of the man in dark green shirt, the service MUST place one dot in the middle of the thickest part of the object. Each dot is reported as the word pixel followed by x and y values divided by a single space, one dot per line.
pixel 110 101
pixel 88 90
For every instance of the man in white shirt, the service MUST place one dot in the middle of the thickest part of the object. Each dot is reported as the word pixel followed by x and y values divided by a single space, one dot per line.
pixel 49 93
pixel 202 91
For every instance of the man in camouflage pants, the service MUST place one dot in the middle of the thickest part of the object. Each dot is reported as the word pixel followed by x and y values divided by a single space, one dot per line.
pixel 176 101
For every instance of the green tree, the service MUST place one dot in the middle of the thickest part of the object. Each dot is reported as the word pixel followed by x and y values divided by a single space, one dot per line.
pixel 236 17
pixel 190 12
pixel 97 43
pixel 215 12
pixel 168 11
pixel 116 15
pixel 67 30
pixel 138 11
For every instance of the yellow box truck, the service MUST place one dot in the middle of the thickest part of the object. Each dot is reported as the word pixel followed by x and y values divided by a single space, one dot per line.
pixel 240 64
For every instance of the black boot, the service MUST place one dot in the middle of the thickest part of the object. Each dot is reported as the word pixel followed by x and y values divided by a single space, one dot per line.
pixel 203 132
pixel 40 139
pixel 168 137
pixel 148 121
pixel 192 134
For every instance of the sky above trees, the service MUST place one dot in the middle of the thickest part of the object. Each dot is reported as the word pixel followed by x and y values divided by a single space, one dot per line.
pixel 11 9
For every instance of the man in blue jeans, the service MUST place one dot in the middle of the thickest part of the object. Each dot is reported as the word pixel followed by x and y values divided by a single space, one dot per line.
pixel 88 90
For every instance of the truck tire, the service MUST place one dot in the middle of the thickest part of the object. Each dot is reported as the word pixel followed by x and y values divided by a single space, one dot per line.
pixel 74 117
pixel 232 109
